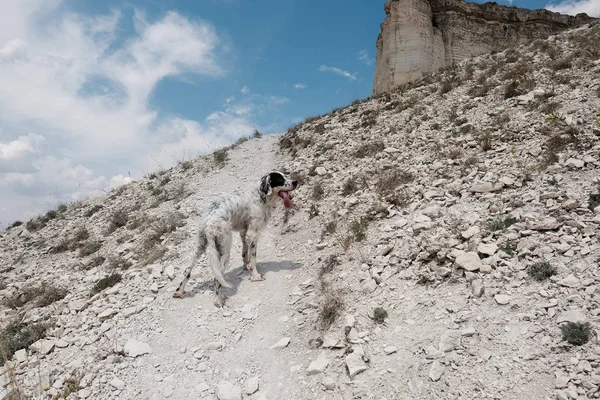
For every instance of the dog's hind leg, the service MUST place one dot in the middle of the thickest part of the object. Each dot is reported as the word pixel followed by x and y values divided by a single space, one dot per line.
pixel 252 240
pixel 215 251
pixel 200 248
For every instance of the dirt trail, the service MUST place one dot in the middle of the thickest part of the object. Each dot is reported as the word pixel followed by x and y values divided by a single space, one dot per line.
pixel 257 314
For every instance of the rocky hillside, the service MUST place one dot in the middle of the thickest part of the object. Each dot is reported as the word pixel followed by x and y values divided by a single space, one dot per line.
pixel 443 244
pixel 423 36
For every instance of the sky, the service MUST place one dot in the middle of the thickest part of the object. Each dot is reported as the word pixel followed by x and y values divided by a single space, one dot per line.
pixel 95 93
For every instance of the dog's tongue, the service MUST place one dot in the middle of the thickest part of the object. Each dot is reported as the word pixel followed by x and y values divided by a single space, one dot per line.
pixel 286 199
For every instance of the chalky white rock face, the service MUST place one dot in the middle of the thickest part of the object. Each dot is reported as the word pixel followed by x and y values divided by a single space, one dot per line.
pixel 422 36
pixel 395 225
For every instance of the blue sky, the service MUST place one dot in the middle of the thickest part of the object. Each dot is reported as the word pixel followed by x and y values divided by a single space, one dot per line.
pixel 96 93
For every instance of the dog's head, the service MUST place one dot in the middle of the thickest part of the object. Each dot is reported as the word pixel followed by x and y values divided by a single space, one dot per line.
pixel 278 184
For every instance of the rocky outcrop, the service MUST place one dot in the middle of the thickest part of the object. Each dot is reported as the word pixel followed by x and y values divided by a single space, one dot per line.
pixel 420 36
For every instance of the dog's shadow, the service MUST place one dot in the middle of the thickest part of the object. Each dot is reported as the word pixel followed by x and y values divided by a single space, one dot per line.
pixel 235 276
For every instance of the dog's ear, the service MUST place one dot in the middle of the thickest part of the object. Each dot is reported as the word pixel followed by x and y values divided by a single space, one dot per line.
pixel 265 185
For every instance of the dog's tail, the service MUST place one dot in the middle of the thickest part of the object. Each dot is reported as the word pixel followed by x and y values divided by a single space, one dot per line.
pixel 214 259
pixel 200 247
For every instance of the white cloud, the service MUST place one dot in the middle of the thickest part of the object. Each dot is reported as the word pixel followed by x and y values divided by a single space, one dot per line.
pixel 245 90
pixel 363 56
pixel 300 86
pixel 22 148
pixel 573 7
pixel 345 74
pixel 119 180
pixel 84 88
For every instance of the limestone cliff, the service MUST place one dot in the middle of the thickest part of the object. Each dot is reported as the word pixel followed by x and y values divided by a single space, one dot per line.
pixel 420 36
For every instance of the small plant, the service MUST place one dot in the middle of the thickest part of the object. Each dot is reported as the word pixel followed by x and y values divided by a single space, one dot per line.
pixel 349 187
pixel 186 165
pixel 117 220
pixel 38 296
pixel 71 385
pixel 313 211
pixel 285 142
pixel 560 64
pixel 332 305
pixel 486 142
pixel 318 191
pixel 508 248
pixel 14 224
pixel 389 183
pixel 93 210
pixel 500 223
pixel 107 282
pixel 96 262
pixel 328 265
pixel 220 156
pixel 19 335
pixel 90 248
pixel 369 149
pixel 330 227
pixel 593 201
pixel 542 271
pixel 379 315
pixel 256 134
pixel 576 333
pixel 358 228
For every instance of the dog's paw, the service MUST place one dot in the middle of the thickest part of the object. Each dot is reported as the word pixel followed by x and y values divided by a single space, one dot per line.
pixel 178 295
pixel 256 277
pixel 219 302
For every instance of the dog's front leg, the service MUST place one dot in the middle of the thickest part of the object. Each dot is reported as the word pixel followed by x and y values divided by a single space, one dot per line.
pixel 252 242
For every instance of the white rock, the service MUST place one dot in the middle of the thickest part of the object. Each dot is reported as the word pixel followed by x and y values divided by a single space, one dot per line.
pixel 470 331
pixel 570 281
pixel 43 346
pixel 321 171
pixel 561 381
pixel 21 355
pixel 574 163
pixel 252 385
pixel 389 350
pixel 78 305
pixel 168 392
pixel 436 371
pixel 575 316
pixel 369 286
pixel 106 314
pixel 215 346
pixel 117 383
pixel 319 365
pixel 154 287
pixel 469 233
pixel 502 299
pixel 170 272
pixel 486 187
pixel 329 383
pixel 228 391
pixel 355 363
pixel 449 341
pixel 133 348
pixel 282 343
pixel 488 249
pixel 202 387
pixel 129 311
pixel 468 261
